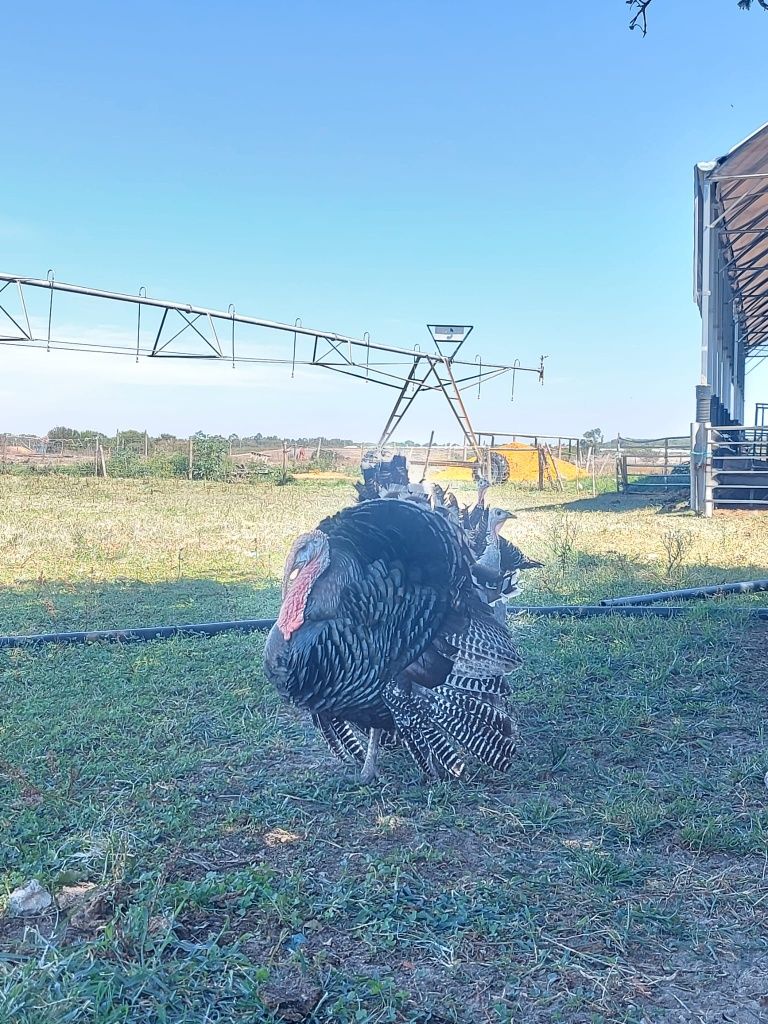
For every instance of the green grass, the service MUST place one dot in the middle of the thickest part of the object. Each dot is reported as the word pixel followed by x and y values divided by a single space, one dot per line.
pixel 212 863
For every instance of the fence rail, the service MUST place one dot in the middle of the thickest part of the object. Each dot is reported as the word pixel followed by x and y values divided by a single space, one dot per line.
pixel 729 467
pixel 739 466
pixel 39 450
pixel 722 467
pixel 652 467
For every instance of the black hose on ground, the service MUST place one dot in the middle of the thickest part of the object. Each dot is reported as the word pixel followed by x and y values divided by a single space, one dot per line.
pixel 144 634
pixel 140 634
pixel 747 587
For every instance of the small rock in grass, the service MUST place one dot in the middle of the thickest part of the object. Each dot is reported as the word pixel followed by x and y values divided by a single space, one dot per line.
pixel 31 898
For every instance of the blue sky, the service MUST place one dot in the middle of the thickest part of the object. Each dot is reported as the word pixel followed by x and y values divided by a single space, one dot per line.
pixel 373 167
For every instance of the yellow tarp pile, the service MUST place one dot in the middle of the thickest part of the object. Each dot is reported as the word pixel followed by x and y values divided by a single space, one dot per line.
pixel 523 461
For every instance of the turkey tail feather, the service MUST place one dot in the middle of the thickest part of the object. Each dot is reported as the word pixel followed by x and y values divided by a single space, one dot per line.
pixel 433 723
pixel 429 747
pixel 341 738
pixel 483 689
pixel 478 727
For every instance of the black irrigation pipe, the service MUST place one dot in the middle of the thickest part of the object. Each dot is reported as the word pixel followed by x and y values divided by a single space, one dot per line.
pixel 592 611
pixel 747 587
pixel 141 635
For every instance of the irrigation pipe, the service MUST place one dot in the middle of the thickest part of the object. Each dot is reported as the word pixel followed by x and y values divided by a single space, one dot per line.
pixel 747 587
pixel 139 635
pixel 142 635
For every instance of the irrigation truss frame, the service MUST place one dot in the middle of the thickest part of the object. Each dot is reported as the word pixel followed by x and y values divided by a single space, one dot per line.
pixel 214 336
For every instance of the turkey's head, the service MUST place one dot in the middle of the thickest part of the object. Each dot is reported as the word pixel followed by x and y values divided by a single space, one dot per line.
pixel 308 559
pixel 496 519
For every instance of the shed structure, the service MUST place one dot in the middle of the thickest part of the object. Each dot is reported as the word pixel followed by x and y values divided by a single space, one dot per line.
pixel 729 465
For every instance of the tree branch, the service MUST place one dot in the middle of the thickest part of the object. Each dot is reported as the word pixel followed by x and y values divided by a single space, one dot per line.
pixel 639 9
pixel 640 17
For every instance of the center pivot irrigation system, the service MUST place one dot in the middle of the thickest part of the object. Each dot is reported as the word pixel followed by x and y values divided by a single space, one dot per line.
pixel 178 330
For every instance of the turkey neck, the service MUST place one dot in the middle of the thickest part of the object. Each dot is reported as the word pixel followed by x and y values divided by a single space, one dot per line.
pixel 491 557
pixel 326 592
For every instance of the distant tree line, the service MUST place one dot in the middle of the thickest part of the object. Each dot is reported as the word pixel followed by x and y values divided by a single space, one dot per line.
pixel 132 438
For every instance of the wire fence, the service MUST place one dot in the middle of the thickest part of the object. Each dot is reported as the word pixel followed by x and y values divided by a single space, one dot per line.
pixel 138 453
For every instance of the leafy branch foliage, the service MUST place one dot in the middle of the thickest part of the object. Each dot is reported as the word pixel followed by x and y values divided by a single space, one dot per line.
pixel 639 11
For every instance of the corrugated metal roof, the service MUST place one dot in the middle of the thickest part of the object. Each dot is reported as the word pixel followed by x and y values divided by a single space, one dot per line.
pixel 740 217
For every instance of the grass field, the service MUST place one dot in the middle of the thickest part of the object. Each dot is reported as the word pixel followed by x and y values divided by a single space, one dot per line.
pixel 210 862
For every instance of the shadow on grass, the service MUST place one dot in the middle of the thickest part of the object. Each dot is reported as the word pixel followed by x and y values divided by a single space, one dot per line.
pixel 580 577
pixel 56 606
pixel 613 502
pixel 569 576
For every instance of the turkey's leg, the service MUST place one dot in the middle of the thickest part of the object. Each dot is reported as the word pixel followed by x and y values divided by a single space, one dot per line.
pixel 370 768
pixel 500 611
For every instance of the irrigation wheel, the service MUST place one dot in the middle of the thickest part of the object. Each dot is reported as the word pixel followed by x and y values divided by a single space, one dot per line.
pixel 499 469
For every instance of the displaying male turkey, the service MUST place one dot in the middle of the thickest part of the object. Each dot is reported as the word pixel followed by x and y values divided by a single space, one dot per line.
pixel 386 476
pixel 381 628
pixel 498 562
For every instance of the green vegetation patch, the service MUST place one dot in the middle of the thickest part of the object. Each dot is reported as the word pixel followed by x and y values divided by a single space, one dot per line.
pixel 210 862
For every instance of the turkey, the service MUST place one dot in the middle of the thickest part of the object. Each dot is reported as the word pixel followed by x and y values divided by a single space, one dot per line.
pixel 496 570
pixel 474 519
pixel 387 478
pixel 381 629
pixel 498 563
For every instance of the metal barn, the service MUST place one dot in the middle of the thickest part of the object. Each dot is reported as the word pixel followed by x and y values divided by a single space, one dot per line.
pixel 729 464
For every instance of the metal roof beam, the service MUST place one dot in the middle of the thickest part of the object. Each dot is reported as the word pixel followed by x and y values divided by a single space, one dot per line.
pixel 756 304
pixel 735 177
pixel 733 202
pixel 745 231
pixel 747 266
pixel 747 248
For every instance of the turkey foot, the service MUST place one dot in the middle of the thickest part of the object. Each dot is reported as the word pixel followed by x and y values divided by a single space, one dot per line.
pixel 370 768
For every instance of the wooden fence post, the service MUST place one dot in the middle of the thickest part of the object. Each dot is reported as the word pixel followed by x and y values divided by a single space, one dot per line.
pixel 426 457
pixel 189 460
